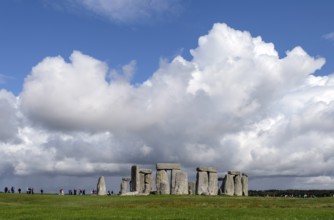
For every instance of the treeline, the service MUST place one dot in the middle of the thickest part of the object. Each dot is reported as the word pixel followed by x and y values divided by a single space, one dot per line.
pixel 292 193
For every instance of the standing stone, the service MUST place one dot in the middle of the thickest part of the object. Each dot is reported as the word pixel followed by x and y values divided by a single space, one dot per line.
pixel 162 179
pixel 237 185
pixel 202 183
pixel 142 182
pixel 135 182
pixel 158 181
pixel 213 184
pixel 244 181
pixel 228 185
pixel 147 184
pixel 181 183
pixel 101 186
pixel 172 182
pixel 191 188
pixel 150 181
pixel 124 186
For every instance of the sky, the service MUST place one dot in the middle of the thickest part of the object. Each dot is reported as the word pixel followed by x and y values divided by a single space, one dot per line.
pixel 88 88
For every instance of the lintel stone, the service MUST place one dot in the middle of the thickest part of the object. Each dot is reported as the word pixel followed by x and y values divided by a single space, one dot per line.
pixel 207 169
pixel 145 171
pixel 168 166
pixel 234 172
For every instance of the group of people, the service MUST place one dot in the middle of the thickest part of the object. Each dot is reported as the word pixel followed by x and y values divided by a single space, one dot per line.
pixel 12 190
pixel 81 192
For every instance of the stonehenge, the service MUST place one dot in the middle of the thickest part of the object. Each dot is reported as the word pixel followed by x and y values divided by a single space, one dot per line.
pixel 178 184
pixel 170 179
pixel 141 180
pixel 206 181
pixel 235 183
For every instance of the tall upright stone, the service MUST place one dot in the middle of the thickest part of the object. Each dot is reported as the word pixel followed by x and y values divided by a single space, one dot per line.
pixel 213 183
pixel 142 182
pixel 181 183
pixel 228 185
pixel 244 181
pixel 162 184
pixel 135 179
pixel 173 181
pixel 202 183
pixel 237 185
pixel 101 186
pixel 149 183
pixel 124 185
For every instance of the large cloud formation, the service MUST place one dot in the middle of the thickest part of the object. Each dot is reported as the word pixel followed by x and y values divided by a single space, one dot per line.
pixel 235 105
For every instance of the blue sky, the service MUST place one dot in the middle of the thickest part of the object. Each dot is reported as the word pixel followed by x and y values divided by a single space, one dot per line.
pixel 88 88
pixel 32 30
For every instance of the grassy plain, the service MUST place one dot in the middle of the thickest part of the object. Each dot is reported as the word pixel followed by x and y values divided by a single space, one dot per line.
pixel 22 206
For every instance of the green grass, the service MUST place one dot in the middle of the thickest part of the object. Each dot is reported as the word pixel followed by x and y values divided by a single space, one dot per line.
pixel 15 206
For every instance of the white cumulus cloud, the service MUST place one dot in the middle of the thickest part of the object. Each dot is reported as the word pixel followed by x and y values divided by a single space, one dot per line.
pixel 235 105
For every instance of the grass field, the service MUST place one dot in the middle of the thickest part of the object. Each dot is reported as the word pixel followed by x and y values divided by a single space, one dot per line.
pixel 22 206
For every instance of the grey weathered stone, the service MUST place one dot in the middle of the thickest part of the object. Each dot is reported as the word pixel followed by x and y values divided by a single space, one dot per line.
pixel 162 183
pixel 213 184
pixel 124 186
pixel 135 181
pixel 145 171
pixel 148 187
pixel 206 169
pixel 202 183
pixel 152 182
pixel 142 182
pixel 101 186
pixel 158 181
pixel 172 183
pixel 245 174
pixel 237 185
pixel 168 166
pixel 181 183
pixel 244 181
pixel 191 188
pixel 234 172
pixel 228 185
